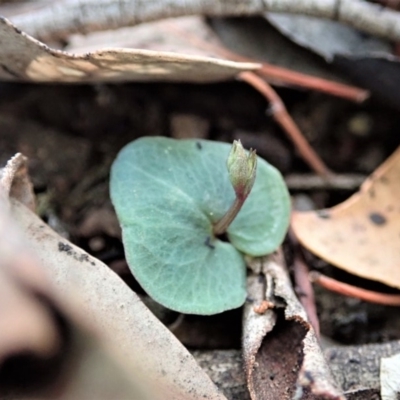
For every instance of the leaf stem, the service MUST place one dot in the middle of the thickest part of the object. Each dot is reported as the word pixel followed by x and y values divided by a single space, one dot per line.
pixel 242 168
pixel 222 225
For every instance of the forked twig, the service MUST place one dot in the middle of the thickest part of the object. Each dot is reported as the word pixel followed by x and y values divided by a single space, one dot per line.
pixel 277 74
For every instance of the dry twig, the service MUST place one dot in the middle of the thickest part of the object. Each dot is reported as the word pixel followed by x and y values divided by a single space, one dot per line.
pixel 315 182
pixel 283 118
pixel 275 74
pixel 353 291
pixel 298 79
pixel 304 289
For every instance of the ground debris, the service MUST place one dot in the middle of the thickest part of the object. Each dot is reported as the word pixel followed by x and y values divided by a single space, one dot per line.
pixel 282 356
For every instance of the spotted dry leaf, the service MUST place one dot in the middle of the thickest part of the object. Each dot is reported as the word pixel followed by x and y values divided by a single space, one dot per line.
pixel 360 235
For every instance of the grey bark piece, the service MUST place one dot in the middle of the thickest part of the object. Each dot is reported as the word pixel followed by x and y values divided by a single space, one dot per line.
pixel 357 368
pixel 225 368
pixel 283 359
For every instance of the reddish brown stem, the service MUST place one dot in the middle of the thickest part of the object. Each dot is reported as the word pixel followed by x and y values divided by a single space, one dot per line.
pixel 305 292
pixel 288 77
pixel 352 291
pixel 283 118
pixel 352 93
pixel 304 287
pixel 222 225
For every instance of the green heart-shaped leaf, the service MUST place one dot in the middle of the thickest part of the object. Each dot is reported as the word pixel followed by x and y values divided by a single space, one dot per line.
pixel 168 194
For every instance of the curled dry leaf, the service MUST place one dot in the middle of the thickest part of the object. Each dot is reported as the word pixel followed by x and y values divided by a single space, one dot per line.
pixel 26 59
pixel 21 310
pixel 127 343
pixel 52 352
pixel 283 359
pixel 45 351
pixel 112 307
pixel 246 41
pixel 361 234
pixel 187 35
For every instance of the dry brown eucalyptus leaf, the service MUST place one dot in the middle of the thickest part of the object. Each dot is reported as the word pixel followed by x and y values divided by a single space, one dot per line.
pixel 126 344
pixel 26 59
pixel 283 359
pixel 184 35
pixel 116 311
pixel 46 352
pixel 361 234
pixel 21 310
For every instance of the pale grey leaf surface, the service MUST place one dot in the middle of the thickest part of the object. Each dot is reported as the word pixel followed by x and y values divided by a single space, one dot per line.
pixel 390 377
pixel 327 38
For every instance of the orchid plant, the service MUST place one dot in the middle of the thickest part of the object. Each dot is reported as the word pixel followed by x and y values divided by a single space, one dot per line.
pixel 190 210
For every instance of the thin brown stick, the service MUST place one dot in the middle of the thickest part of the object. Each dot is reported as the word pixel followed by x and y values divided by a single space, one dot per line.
pixel 313 83
pixel 352 291
pixel 283 118
pixel 304 287
pixel 305 291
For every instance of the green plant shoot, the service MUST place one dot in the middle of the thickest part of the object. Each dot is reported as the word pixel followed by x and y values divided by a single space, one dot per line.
pixel 170 195
pixel 242 173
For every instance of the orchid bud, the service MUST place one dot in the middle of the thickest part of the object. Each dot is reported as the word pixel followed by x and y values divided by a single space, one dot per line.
pixel 242 167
